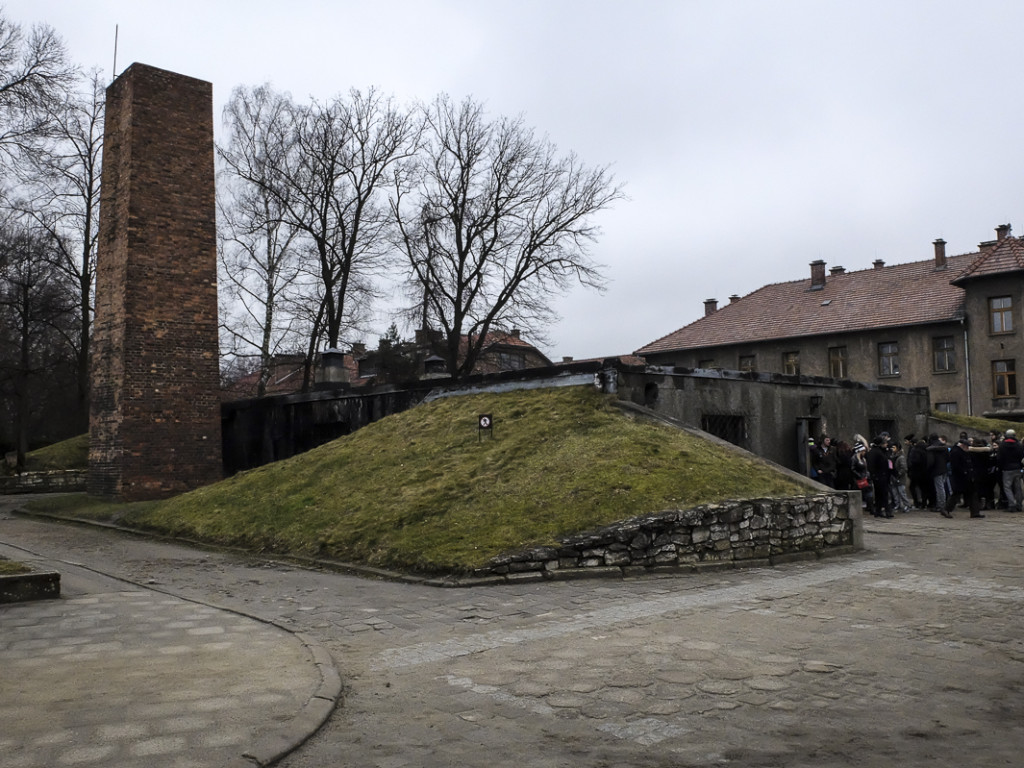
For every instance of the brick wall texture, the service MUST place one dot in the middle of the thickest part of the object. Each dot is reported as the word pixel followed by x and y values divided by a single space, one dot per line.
pixel 155 418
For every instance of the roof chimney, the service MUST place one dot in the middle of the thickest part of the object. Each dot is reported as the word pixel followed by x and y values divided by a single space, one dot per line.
pixel 817 275
pixel 734 298
pixel 837 270
pixel 940 253
pixel 1002 231
pixel 710 306
pixel 878 263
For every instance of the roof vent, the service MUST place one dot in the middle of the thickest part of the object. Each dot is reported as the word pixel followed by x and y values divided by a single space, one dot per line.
pixel 878 263
pixel 734 298
pixel 837 270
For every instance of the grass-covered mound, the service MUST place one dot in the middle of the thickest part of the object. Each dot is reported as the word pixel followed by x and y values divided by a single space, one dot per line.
pixel 72 453
pixel 421 491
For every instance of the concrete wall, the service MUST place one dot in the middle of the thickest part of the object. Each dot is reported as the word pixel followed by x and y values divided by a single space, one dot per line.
pixel 776 411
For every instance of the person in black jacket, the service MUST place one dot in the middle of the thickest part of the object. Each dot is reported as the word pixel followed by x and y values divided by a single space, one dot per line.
pixel 921 487
pixel 880 471
pixel 961 477
pixel 1009 457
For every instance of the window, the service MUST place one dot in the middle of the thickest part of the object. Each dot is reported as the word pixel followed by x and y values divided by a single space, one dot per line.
pixel 837 362
pixel 943 354
pixel 1001 313
pixel 945 407
pixel 511 361
pixel 1004 378
pixel 791 363
pixel 889 359
pixel 726 426
pixel 748 363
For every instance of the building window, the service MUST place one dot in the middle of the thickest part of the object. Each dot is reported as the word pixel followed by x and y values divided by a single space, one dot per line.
pixel 1001 314
pixel 791 363
pixel 511 361
pixel 1004 378
pixel 943 354
pixel 889 359
pixel 945 407
pixel 726 426
pixel 748 363
pixel 837 362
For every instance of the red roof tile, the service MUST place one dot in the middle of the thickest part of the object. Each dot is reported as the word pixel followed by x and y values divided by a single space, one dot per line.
pixel 898 295
pixel 1007 255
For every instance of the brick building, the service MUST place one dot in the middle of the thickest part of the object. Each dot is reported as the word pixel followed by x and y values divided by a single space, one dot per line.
pixel 951 324
pixel 155 416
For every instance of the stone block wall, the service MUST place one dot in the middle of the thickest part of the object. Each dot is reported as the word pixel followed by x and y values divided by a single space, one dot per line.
pixel 727 534
pixel 155 418
pixel 57 481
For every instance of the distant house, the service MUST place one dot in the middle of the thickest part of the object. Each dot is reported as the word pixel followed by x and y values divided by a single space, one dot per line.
pixel 951 324
pixel 362 367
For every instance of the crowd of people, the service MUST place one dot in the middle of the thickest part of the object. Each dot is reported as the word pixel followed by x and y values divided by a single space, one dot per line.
pixel 924 473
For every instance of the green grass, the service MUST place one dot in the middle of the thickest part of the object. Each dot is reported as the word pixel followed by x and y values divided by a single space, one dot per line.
pixel 421 491
pixel 72 453
pixel 977 423
pixel 12 567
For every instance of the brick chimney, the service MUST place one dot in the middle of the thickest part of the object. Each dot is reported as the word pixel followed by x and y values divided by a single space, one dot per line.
pixel 817 275
pixel 878 263
pixel 837 270
pixel 1002 231
pixel 710 306
pixel 940 253
pixel 734 298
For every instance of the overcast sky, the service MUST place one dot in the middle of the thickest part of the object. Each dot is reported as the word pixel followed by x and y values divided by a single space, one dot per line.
pixel 753 137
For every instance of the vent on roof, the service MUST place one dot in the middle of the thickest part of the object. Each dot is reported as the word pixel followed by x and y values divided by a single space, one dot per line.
pixel 837 270
pixel 878 263
pixel 826 302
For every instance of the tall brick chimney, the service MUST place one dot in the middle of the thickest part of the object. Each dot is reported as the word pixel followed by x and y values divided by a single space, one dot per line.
pixel 1002 231
pixel 710 306
pixel 154 427
pixel 940 253
pixel 817 275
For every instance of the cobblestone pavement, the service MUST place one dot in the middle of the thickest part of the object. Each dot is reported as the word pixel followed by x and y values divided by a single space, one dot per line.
pixel 910 652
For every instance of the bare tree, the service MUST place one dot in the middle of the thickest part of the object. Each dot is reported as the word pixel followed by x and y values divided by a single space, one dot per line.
pixel 35 73
pixel 59 190
pixel 329 183
pixel 36 325
pixel 497 225
pixel 261 254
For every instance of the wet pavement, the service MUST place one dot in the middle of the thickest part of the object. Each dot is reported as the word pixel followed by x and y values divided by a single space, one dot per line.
pixel 910 652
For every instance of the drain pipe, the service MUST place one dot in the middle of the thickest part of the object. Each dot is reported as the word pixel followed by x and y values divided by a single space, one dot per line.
pixel 967 367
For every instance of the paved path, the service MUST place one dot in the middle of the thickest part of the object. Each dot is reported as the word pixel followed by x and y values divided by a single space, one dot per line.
pixel 911 652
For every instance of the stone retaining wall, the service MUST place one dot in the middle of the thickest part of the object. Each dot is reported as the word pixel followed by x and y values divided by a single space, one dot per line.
pixel 60 481
pixel 731 533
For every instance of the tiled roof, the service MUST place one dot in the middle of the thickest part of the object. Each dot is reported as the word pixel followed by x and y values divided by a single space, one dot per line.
pixel 1006 255
pixel 897 295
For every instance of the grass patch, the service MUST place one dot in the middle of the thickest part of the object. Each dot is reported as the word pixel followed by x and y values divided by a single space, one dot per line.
pixel 84 507
pixel 420 491
pixel 72 453
pixel 977 423
pixel 12 567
